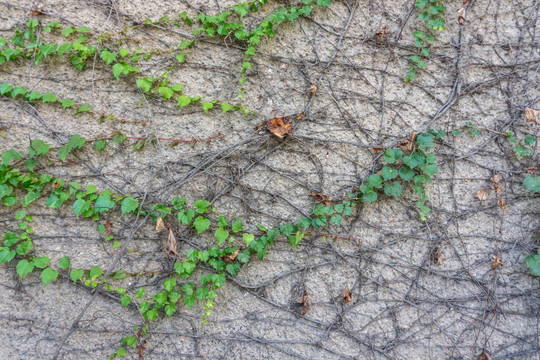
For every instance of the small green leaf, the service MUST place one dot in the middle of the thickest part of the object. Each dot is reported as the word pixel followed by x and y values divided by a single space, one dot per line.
pixel 83 108
pixel 248 238
pixel 129 204
pixel 183 101
pixel 533 262
pixel 388 173
pixel 95 272
pixel 67 103
pixel 125 301
pixel 393 189
pixel 532 183
pixel 41 262
pixel 201 206
pixel 207 106
pixel 108 57
pixel 181 57
pixel 24 267
pixel 237 226
pixel 9 156
pixel 76 275
pixel 406 173
pixel 201 224
pixel 221 235
pixel 48 275
pixel 64 263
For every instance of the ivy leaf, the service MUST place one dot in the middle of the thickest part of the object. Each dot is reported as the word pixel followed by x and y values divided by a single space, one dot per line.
pixel 95 272
pixel 170 309
pixel 225 107
pixel 393 155
pixel 201 206
pixel 64 263
pixel 181 57
pixel 83 108
pixel 406 173
pixel 117 69
pixel 393 189
pixel 67 103
pixel 166 92
pixel 124 53
pixel 5 88
pixel 125 301
pixel 24 267
pixel 104 203
pixel 221 235
pixel 336 219
pixel 388 173
pixel 48 275
pixel 244 256
pixel 140 293
pixel 189 301
pixel 145 83
pixel 425 142
pixel 30 197
pixel 532 183
pixel 237 226
pixel 533 262
pixel 375 181
pixel 19 90
pixel 48 49
pixel 201 224
pixel 107 56
pixel 169 284
pixel 248 238
pixel 207 106
pixel 9 156
pixel 34 95
pixel 183 101
pixel 6 255
pixel 64 48
pixel 80 206
pixel 76 275
pixel 41 262
pixel 294 239
pixel 129 204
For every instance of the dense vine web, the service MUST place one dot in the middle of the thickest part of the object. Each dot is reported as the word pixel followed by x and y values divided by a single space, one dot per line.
pixel 301 180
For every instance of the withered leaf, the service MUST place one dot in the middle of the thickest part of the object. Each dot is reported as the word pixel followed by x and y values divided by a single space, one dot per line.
pixel 496 178
pixel 497 188
pixel 305 301
pixel 482 194
pixel 379 34
pixel 108 227
pixel 232 257
pixel 484 356
pixel 313 89
pixel 322 198
pixel 532 115
pixel 160 225
pixel 461 16
pixel 346 294
pixel 171 243
pixel 407 144
pixel 436 256
pixel 502 205
pixel 496 262
pixel 299 116
pixel 278 127
pixel 377 150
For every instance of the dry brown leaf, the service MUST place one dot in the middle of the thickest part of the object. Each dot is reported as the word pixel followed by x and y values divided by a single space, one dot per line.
pixel 313 89
pixel 381 33
pixel 377 150
pixel 502 205
pixel 461 15
pixel 436 256
pixel 278 127
pixel 160 225
pixel 484 356
pixel 305 301
pixel 496 178
pixel 171 243
pixel 407 144
pixel 232 257
pixel 496 262
pixel 56 184
pixel 108 227
pixel 301 115
pixel 140 351
pixel 532 115
pixel 532 169
pixel 322 199
pixel 482 194
pixel 497 188
pixel 346 294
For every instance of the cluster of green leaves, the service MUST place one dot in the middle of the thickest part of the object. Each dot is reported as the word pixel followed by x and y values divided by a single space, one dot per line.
pixel 521 147
pixel 432 16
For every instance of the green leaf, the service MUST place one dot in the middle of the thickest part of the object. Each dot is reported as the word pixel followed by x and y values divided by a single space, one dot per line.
pixel 166 92
pixel 207 106
pixel 323 2
pixel 237 226
pixel 189 301
pixel 406 173
pixel 294 239
pixel 34 95
pixel 24 248
pixel 532 183
pixel 30 197
pixel 183 45
pixel 232 269
pixel 529 140
pixel 201 224
pixel 140 293
pixel 221 235
pixel 425 142
pixel 145 83
pixel 76 275
pixel 64 48
pixel 100 145
pixel 9 156
pixel 188 288
pixel 64 263
pixel 48 275
pixel 183 101
pixel 6 255
pixel 201 206
pixel 248 238
pixel 393 155
pixel 181 57
pixel 244 256
pixel 67 103
pixel 431 169
pixel 83 108
pixel 108 56
pixel 388 173
pixel 393 189
pixel 129 204
pixel 125 301
pixel 124 53
pixel 117 69
pixel 95 272
pixel 48 49
pixel 533 262
pixel 19 90
pixel 104 203
pixel 80 206
pixel 5 89
pixel 336 219
pixel 41 262
pixel 225 107
pixel 24 267
pixel 375 181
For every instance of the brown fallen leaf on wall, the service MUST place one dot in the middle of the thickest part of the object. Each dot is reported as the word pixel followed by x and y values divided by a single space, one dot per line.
pixel 108 227
pixel 532 115
pixel 436 256
pixel 160 225
pixel 305 301
pixel 484 356
pixel 502 205
pixel 232 257
pixel 171 243
pixel 379 34
pixel 346 294
pixel 313 89
pixel 461 16
pixel 496 262
pixel 482 194
pixel 279 127
pixel 322 198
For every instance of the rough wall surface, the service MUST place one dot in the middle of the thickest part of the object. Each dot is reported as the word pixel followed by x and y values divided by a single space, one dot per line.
pixel 420 289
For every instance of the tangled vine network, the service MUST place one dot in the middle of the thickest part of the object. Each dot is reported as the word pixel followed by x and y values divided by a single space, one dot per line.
pixel 312 179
